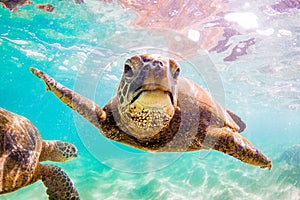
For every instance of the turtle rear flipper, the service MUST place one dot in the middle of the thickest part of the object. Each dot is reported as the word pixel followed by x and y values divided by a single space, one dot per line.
pixel 231 143
pixel 57 151
pixel 59 185
pixel 237 120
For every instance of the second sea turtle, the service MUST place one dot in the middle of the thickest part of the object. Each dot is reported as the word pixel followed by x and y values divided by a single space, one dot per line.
pixel 21 151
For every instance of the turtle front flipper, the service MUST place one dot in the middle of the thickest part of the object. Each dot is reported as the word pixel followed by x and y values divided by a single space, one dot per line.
pixel 229 142
pixel 85 107
pixel 57 151
pixel 59 185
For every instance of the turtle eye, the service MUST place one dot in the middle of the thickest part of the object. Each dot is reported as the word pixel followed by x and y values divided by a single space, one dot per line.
pixel 176 73
pixel 128 70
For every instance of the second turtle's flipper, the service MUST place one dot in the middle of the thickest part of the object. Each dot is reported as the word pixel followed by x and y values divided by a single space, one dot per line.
pixel 59 185
pixel 85 107
pixel 229 142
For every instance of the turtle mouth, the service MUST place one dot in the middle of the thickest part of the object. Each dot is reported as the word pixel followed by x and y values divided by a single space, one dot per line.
pixel 139 94
pixel 149 110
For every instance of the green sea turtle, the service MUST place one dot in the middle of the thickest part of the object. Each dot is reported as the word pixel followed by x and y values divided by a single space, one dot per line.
pixel 21 151
pixel 157 110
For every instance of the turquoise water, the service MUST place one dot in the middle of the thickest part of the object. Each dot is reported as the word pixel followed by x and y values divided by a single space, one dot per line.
pixel 83 46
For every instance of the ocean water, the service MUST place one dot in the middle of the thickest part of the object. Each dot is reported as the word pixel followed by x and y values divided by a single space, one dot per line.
pixel 246 54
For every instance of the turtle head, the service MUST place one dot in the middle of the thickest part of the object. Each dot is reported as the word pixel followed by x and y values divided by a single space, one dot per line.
pixel 147 94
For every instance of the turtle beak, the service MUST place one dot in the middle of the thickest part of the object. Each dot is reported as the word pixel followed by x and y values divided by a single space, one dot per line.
pixel 153 76
pixel 145 88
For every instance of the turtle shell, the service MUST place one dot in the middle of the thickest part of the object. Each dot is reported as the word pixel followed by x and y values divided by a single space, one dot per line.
pixel 20 147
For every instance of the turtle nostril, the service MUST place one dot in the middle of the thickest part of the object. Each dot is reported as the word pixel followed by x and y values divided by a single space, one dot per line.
pixel 157 63
pixel 158 66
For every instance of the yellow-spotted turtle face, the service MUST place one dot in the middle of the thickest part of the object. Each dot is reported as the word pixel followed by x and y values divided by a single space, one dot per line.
pixel 147 94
